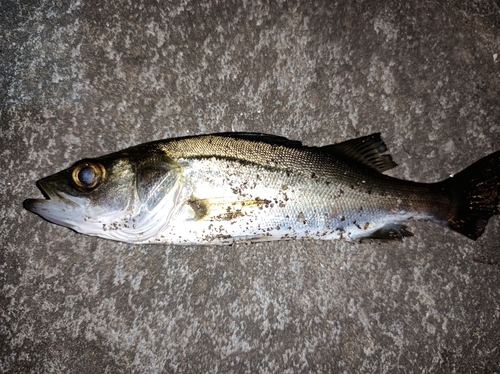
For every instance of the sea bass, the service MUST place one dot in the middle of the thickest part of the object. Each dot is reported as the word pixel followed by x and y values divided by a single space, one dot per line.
pixel 231 187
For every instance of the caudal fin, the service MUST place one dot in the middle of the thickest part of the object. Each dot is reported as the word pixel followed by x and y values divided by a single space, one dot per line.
pixel 475 195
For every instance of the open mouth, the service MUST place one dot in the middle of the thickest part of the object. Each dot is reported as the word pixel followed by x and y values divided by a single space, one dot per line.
pixel 36 205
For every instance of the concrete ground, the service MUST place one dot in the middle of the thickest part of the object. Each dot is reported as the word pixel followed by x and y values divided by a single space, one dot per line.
pixel 81 78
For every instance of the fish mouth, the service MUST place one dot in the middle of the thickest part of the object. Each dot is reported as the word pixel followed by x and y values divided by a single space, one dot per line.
pixel 57 207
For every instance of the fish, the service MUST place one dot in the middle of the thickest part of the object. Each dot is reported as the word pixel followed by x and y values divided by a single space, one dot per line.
pixel 223 188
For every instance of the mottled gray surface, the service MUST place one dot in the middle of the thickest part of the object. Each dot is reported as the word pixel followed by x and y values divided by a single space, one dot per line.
pixel 80 79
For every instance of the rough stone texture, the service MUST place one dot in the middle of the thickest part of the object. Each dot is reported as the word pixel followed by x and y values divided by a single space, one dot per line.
pixel 80 79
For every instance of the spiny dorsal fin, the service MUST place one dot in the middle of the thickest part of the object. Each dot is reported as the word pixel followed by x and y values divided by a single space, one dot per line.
pixel 367 150
pixel 260 137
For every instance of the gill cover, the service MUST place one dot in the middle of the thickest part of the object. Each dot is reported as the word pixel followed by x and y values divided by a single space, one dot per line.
pixel 157 187
pixel 156 176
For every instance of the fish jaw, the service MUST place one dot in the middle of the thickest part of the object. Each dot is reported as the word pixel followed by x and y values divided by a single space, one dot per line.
pixel 72 211
pixel 59 208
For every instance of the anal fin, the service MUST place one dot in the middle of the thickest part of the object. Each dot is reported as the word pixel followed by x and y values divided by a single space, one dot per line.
pixel 392 231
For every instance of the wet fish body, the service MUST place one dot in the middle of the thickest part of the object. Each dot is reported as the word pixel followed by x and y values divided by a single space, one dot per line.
pixel 230 187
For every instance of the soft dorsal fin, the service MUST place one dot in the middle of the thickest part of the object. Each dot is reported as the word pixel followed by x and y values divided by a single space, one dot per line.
pixel 265 138
pixel 366 150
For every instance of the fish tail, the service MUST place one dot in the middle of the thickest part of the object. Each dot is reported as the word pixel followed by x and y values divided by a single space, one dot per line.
pixel 474 194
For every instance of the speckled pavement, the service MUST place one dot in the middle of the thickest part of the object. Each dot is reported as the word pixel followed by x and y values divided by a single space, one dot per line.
pixel 81 78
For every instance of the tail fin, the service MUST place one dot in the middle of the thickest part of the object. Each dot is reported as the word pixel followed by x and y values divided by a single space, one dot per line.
pixel 475 195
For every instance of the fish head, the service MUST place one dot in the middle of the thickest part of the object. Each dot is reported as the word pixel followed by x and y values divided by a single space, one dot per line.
pixel 126 196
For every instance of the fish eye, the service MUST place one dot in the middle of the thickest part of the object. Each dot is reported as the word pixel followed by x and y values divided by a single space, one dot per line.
pixel 88 175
